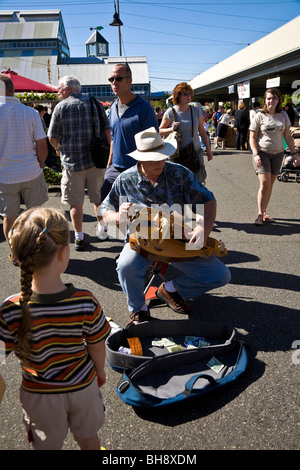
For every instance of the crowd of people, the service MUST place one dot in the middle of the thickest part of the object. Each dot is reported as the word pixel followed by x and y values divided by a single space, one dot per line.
pixel 240 119
pixel 63 366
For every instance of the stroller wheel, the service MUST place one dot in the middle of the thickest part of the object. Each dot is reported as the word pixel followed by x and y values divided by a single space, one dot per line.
pixel 284 176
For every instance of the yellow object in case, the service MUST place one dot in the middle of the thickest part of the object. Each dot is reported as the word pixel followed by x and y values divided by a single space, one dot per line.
pixel 135 346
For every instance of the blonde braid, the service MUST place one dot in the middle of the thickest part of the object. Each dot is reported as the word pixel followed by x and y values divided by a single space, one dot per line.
pixel 26 273
pixel 34 239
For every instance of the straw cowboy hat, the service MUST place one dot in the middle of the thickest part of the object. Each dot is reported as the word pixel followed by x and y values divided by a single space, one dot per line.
pixel 151 147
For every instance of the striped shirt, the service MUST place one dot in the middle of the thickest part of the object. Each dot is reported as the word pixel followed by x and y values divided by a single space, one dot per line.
pixel 72 122
pixel 62 325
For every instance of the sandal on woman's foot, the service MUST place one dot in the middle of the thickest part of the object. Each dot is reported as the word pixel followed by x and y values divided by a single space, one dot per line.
pixel 12 260
pixel 259 220
pixel 267 218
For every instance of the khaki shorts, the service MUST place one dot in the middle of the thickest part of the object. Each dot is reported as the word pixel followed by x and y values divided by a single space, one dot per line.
pixel 34 193
pixel 74 183
pixel 270 163
pixel 47 417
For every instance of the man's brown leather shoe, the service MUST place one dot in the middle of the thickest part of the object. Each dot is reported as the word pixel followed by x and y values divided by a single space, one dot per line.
pixel 139 317
pixel 174 301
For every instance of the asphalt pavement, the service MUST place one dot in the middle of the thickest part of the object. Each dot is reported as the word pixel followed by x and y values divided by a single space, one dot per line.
pixel 260 411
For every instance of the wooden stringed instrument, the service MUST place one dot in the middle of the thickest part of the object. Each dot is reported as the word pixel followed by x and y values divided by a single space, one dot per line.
pixel 154 238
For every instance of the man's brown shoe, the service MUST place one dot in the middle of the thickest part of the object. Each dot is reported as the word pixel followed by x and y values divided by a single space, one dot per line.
pixel 139 317
pixel 174 301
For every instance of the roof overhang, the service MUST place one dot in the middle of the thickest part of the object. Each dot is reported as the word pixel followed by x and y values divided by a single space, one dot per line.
pixel 263 62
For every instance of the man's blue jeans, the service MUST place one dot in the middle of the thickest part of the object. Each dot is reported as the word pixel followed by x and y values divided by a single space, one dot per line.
pixel 111 174
pixel 199 275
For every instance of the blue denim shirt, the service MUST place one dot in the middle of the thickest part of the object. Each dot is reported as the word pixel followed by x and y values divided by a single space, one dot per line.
pixel 176 185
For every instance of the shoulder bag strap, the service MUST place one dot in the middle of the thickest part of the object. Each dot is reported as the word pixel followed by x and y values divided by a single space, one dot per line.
pixel 175 117
pixel 102 122
pixel 93 114
pixel 192 120
pixel 174 114
pixel 100 115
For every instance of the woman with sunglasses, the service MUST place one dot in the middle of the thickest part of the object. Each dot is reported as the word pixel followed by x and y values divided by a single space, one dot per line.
pixel 189 121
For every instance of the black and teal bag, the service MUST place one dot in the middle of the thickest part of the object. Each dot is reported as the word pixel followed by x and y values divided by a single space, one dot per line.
pixel 177 360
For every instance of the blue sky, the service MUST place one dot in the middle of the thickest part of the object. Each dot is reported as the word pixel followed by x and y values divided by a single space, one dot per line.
pixel 179 39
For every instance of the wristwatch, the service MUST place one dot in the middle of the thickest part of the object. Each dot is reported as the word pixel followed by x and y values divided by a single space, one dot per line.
pixel 256 155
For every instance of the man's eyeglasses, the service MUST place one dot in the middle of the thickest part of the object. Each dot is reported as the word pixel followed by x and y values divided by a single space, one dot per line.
pixel 188 93
pixel 117 79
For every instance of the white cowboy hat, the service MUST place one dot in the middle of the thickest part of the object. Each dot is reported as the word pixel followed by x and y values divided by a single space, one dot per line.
pixel 151 147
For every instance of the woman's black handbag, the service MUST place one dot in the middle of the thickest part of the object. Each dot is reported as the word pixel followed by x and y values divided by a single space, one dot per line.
pixel 99 146
pixel 188 156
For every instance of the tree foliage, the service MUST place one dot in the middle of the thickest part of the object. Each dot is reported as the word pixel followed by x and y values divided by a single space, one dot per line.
pixel 32 97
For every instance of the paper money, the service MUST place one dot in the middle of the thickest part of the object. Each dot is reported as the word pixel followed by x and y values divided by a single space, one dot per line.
pixel 175 348
pixel 157 342
pixel 189 338
pixel 215 365
pixel 202 344
pixel 163 342
pixel 168 342
pixel 196 341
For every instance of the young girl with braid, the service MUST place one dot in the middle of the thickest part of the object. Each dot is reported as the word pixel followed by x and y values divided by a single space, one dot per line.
pixel 57 332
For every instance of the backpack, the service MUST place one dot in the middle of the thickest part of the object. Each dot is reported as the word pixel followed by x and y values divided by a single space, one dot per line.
pixel 100 148
pixel 214 119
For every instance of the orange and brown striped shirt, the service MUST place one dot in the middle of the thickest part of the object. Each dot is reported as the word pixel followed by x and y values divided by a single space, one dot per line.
pixel 62 326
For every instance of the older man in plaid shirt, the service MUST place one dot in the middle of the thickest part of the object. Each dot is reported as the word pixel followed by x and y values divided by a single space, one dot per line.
pixel 71 133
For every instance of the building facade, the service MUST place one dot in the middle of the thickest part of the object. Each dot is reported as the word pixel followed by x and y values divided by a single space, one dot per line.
pixel 34 44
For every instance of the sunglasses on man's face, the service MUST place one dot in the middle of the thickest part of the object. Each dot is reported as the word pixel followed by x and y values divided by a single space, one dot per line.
pixel 117 79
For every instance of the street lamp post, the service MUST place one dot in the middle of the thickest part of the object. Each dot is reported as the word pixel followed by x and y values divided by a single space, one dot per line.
pixel 117 22
pixel 119 27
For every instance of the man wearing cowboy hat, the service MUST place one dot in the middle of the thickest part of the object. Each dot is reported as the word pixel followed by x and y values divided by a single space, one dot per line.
pixel 129 114
pixel 153 181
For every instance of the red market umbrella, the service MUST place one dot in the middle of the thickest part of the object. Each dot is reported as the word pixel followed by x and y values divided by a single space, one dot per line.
pixel 26 84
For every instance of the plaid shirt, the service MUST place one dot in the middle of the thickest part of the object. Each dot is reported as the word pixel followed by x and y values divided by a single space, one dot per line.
pixel 72 122
pixel 175 186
